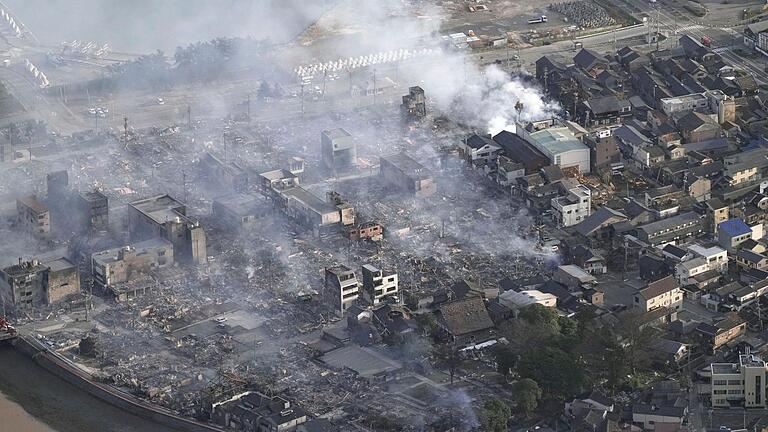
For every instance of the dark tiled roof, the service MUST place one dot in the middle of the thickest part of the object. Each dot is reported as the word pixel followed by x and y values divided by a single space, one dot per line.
pixel 466 316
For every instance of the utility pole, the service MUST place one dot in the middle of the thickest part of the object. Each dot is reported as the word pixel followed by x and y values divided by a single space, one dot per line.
pixel 325 80
pixel 302 100
pixel 374 86
pixel 96 118
pixel 125 130
pixel 248 106
pixel 189 116
pixel 658 11
pixel 184 185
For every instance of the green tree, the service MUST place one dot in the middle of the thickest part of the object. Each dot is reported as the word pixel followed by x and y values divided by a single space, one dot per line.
pixel 496 415
pixel 541 316
pixel 527 395
pixel 560 374
pixel 505 359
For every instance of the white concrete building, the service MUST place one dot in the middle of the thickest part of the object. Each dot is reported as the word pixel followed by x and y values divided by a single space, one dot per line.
pixel 557 142
pixel 517 300
pixel 687 270
pixel 717 257
pixel 378 285
pixel 572 208
pixel 739 384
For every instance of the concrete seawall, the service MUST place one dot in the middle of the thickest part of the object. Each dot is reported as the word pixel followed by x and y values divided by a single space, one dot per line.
pixel 61 367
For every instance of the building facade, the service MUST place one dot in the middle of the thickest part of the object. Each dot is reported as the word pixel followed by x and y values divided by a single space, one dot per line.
pixel 163 217
pixel 120 265
pixel 572 208
pixel 378 285
pixel 342 288
pixel 664 292
pixel 408 176
pixel 739 384
pixel 32 216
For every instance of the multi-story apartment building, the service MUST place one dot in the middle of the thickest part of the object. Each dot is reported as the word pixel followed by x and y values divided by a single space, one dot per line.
pixel 32 283
pixel 378 285
pixel 33 216
pixel 739 384
pixel 341 287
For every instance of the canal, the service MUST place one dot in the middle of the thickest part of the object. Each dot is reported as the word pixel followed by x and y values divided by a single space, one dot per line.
pixel 34 400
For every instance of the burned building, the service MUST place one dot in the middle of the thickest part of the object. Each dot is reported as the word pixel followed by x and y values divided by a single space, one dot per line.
pixel 57 183
pixel 346 210
pixel 229 175
pixel 341 288
pixel 367 230
pixel 163 217
pixel 24 285
pixel 276 180
pixel 408 176
pixel 95 208
pixel 32 216
pixel 240 210
pixel 257 412
pixel 63 280
pixel 304 207
pixel 308 210
pixel 378 285
pixel 414 105
pixel 339 151
pixel 33 283
pixel 119 265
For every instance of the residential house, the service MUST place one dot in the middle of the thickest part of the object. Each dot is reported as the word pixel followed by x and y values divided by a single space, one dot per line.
pixel 478 147
pixel 605 110
pixel 590 62
pixel 733 232
pixel 649 415
pixel 664 292
pixel 669 351
pixel 572 276
pixel 652 267
pixel 722 332
pixel 572 208
pixel 465 318
pixel 696 127
pixel 596 225
pixel 508 171
pixel 589 260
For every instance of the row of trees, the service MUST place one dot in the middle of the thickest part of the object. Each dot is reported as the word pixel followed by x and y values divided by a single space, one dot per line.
pixel 199 62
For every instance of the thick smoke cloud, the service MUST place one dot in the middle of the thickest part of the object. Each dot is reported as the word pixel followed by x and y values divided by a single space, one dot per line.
pixel 147 25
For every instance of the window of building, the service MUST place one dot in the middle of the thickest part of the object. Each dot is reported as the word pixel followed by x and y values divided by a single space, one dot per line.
pixel 719 382
pixel 720 392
